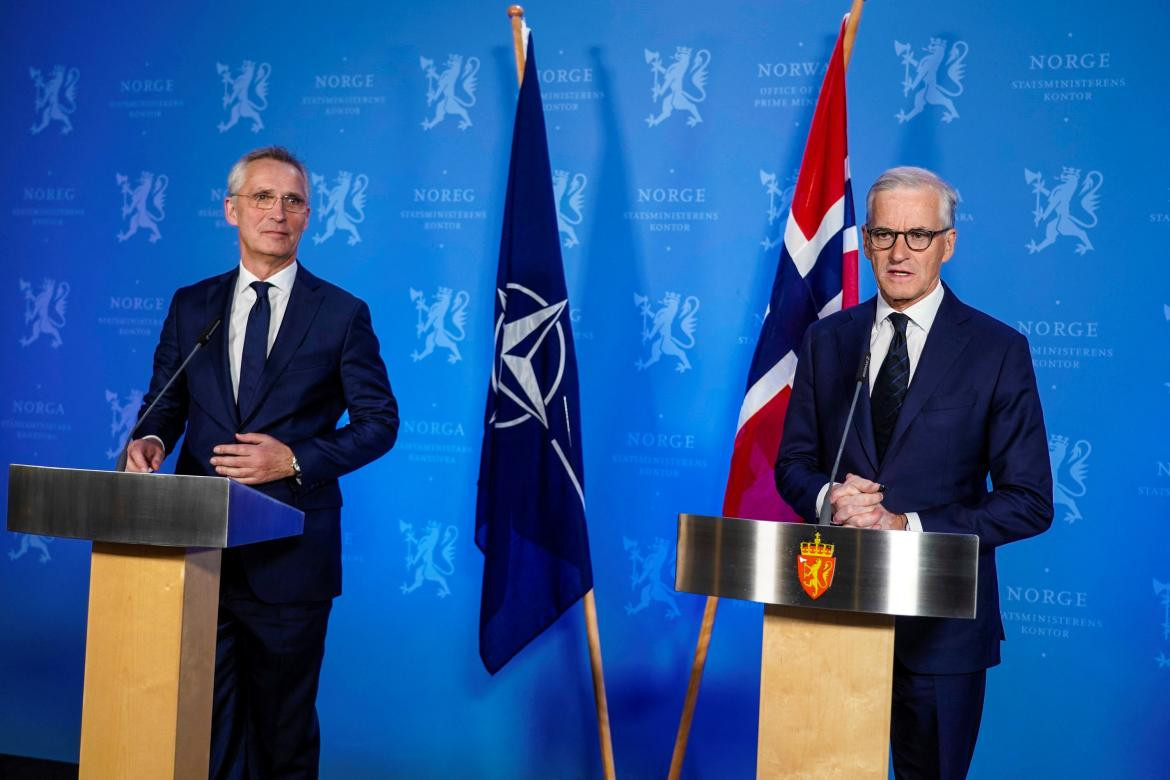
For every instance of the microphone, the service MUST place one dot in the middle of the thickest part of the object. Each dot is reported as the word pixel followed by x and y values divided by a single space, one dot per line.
pixel 204 337
pixel 826 513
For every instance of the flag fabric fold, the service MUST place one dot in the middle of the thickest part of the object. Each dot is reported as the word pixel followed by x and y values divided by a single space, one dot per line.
pixel 530 507
pixel 816 276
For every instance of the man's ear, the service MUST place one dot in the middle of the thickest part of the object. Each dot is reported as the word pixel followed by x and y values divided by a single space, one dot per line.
pixel 952 234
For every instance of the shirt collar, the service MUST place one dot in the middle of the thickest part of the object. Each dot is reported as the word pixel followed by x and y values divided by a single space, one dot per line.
pixel 921 314
pixel 281 280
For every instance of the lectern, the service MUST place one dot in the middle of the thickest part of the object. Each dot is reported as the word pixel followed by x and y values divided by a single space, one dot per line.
pixel 830 594
pixel 153 600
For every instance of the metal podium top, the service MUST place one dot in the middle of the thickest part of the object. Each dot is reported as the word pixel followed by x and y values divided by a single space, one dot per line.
pixel 168 510
pixel 828 567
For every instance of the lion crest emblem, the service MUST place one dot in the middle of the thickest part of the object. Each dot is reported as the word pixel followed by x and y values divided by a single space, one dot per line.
pixel 56 97
pixel 1058 210
pixel 779 201
pixel 568 193
pixel 658 328
pixel 1069 470
pixel 452 91
pixel 420 556
pixel 125 415
pixel 245 93
pixel 1162 589
pixel 1166 314
pixel 432 322
pixel 44 311
pixel 348 191
pixel 143 204
pixel 922 77
pixel 647 576
pixel 30 542
pixel 672 83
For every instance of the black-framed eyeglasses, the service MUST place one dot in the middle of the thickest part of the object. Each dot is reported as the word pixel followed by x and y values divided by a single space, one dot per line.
pixel 916 238
pixel 293 204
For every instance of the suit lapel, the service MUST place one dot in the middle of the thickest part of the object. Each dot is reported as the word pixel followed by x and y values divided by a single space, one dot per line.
pixel 298 317
pixel 219 303
pixel 852 344
pixel 943 346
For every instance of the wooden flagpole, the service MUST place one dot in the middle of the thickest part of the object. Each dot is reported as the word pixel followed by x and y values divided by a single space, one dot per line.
pixel 688 712
pixel 851 29
pixel 599 701
pixel 516 13
pixel 708 624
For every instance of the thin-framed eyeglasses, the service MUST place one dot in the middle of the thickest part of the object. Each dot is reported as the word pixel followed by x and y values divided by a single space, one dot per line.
pixel 917 239
pixel 266 201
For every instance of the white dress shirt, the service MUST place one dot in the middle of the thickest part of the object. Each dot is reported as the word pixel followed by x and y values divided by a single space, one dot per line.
pixel 921 316
pixel 242 302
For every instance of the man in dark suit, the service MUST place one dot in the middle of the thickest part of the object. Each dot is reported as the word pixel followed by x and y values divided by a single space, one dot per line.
pixel 260 404
pixel 952 401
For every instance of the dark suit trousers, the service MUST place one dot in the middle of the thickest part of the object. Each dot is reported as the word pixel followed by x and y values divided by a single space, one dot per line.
pixel 934 722
pixel 267 667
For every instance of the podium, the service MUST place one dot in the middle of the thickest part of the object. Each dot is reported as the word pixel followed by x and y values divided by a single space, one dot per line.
pixel 153 602
pixel 830 596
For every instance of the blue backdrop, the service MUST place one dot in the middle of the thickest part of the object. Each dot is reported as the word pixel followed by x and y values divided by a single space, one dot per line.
pixel 121 119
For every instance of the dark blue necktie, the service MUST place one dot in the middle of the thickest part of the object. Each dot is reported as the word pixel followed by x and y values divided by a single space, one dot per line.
pixel 255 348
pixel 889 388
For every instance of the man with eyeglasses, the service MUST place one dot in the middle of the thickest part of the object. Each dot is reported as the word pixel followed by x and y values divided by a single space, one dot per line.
pixel 260 404
pixel 952 401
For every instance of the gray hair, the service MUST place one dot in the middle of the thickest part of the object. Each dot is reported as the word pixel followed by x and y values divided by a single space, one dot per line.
pixel 235 179
pixel 910 178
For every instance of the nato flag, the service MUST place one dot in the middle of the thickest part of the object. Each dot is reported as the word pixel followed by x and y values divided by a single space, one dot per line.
pixel 530 509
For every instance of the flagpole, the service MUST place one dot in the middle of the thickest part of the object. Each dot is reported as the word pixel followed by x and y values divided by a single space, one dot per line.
pixel 851 30
pixel 688 713
pixel 592 631
pixel 599 701
pixel 516 14
pixel 707 626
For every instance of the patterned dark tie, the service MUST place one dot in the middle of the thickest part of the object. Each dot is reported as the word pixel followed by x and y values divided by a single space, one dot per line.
pixel 889 389
pixel 255 348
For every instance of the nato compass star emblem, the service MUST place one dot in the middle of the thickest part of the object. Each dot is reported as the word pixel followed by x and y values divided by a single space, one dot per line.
pixel 519 342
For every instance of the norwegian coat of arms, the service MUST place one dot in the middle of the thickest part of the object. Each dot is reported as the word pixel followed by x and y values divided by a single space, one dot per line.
pixel 815 565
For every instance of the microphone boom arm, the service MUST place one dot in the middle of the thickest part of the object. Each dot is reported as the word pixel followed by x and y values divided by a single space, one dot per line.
pixel 826 512
pixel 203 339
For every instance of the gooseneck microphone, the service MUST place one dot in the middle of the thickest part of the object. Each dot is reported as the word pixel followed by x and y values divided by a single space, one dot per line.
pixel 204 337
pixel 826 513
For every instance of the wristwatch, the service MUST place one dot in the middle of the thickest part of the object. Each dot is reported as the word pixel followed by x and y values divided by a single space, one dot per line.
pixel 296 467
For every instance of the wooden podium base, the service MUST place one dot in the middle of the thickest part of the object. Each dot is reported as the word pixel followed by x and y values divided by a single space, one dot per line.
pixel 825 687
pixel 149 662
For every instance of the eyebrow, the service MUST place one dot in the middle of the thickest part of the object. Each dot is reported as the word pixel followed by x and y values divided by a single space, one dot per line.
pixel 270 191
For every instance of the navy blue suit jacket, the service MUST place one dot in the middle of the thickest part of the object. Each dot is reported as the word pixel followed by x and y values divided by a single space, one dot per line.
pixel 972 410
pixel 325 360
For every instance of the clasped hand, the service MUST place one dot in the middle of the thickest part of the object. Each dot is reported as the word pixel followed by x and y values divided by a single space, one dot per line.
pixel 857 502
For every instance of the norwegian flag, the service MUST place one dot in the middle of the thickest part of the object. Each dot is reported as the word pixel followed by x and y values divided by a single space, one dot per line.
pixel 817 276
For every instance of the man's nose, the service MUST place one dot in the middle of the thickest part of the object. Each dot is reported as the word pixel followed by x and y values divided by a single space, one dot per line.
pixel 901 248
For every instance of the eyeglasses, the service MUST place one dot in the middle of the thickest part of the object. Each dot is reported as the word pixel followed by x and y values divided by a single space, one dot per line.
pixel 293 204
pixel 917 239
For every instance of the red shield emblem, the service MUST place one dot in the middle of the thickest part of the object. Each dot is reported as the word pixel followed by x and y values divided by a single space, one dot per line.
pixel 815 566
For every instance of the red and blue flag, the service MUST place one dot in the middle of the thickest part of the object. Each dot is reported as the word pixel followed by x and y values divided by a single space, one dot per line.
pixel 817 276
